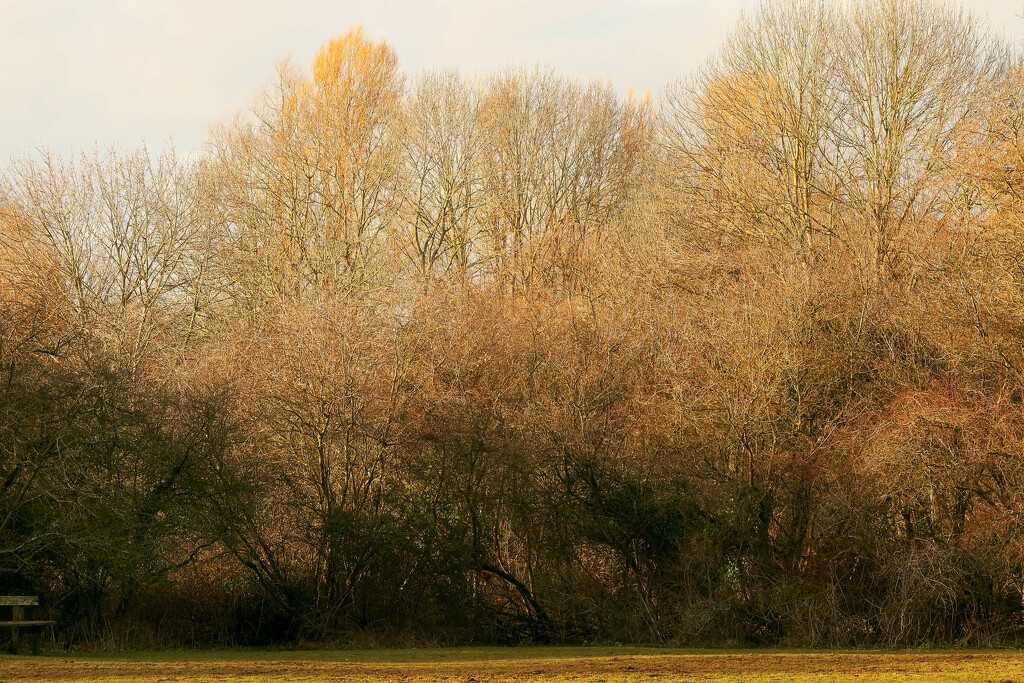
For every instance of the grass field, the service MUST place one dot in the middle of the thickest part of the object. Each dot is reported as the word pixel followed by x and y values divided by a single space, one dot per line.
pixel 476 665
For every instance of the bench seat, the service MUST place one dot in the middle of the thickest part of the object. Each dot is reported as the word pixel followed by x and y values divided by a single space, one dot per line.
pixel 33 628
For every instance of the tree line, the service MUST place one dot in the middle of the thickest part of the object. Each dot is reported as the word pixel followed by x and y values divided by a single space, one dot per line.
pixel 421 358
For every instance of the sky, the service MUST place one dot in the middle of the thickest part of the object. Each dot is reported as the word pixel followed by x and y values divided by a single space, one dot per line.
pixel 76 74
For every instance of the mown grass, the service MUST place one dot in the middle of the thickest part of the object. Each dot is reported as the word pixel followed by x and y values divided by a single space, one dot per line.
pixel 476 665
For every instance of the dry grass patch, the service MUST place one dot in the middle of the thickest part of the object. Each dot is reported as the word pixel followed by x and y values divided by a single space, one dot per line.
pixel 477 665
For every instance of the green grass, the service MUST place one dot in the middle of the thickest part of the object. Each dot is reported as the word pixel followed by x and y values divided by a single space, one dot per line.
pixel 605 664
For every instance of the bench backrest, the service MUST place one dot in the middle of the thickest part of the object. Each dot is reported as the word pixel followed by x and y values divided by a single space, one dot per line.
pixel 12 600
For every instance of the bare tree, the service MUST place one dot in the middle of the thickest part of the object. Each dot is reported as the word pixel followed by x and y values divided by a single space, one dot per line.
pixel 913 79
pixel 749 135
pixel 443 147
pixel 305 183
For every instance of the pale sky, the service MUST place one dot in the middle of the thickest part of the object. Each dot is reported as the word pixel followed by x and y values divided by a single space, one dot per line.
pixel 81 73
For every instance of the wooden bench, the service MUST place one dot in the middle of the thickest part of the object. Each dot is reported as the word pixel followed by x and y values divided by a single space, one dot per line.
pixel 18 622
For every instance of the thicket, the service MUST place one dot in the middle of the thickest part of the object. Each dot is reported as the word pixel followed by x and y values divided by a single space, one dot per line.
pixel 416 358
